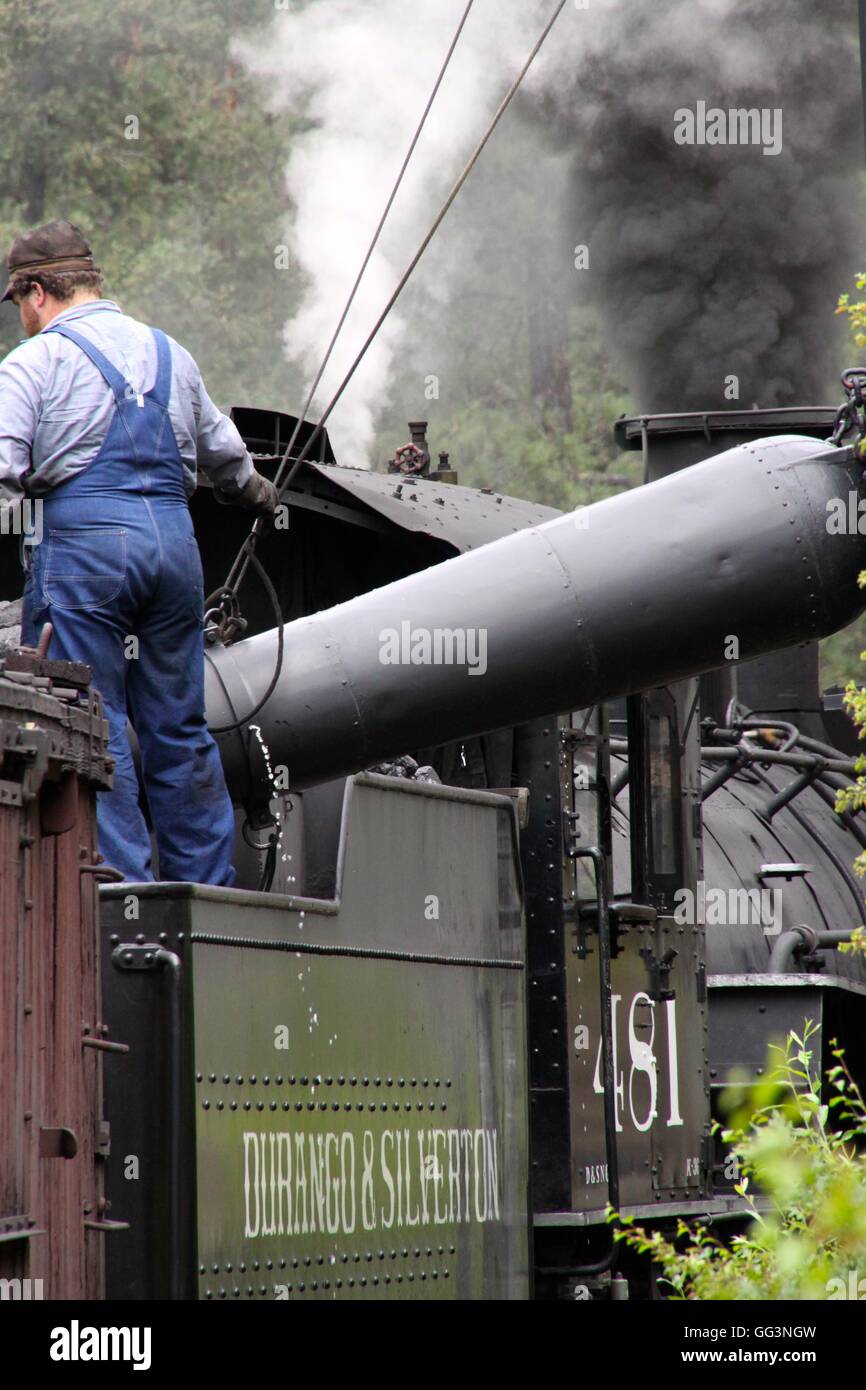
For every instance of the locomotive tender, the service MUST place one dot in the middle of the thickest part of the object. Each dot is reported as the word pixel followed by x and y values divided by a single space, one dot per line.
pixel 470 1012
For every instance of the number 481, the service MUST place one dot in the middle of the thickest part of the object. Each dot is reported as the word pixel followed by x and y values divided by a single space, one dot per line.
pixel 643 1064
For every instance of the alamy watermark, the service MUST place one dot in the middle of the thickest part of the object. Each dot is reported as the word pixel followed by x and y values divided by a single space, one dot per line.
pixel 20 1290
pixel 737 126
pixel 846 516
pixel 434 646
pixel 730 907
pixel 853 1288
pixel 77 1343
pixel 22 517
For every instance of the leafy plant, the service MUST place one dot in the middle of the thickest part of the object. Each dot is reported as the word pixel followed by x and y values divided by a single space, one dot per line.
pixel 139 123
pixel 853 798
pixel 802 1173
pixel 856 312
pixel 857 945
pixel 840 652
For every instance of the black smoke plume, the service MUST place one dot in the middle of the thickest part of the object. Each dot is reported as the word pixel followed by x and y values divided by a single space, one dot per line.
pixel 712 261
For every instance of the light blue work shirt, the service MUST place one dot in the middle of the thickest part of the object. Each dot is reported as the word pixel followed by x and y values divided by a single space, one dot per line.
pixel 55 407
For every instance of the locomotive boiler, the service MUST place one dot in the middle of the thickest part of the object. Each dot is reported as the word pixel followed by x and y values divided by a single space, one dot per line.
pixel 510 765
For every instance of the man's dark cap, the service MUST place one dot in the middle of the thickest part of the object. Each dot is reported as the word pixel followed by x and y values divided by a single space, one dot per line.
pixel 55 247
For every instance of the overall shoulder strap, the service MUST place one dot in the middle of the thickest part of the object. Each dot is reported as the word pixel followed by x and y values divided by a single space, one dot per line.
pixel 160 391
pixel 115 381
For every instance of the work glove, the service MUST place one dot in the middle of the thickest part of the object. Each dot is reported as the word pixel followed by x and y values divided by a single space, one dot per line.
pixel 258 495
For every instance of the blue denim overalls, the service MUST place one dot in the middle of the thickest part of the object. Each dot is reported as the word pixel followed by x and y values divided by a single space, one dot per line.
pixel 118 574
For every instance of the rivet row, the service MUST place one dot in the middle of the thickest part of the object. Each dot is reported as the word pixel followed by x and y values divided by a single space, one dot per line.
pixel 253 1080
pixel 334 1105
pixel 344 1257
pixel 362 1281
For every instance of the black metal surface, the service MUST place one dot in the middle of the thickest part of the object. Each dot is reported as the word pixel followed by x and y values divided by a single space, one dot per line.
pixel 661 1108
pixel 269 431
pixel 537 767
pixel 738 840
pixel 674 441
pixel 658 994
pixel 462 516
pixel 747 1016
pixel 563 627
pixel 813 847
pixel 783 682
pixel 786 685
pixel 150 1180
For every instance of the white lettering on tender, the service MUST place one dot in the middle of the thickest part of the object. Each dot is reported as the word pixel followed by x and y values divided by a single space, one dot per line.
pixel 297 1182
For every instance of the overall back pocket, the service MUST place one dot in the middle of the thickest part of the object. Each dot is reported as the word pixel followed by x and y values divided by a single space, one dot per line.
pixel 84 568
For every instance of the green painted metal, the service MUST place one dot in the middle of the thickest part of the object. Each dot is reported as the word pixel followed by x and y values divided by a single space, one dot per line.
pixel 354 1071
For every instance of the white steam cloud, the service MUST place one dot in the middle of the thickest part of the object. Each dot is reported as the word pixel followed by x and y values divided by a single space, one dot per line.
pixel 359 75
pixel 708 264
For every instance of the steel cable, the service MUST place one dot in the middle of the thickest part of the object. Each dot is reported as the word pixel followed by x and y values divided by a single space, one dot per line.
pixel 238 569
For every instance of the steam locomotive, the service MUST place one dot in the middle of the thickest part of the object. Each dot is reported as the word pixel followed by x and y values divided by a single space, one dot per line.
pixel 537 845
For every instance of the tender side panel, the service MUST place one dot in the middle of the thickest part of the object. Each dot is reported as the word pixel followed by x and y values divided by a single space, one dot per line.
pixel 356 1133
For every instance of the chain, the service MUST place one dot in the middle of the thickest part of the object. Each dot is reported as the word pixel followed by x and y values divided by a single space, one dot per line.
pixel 852 413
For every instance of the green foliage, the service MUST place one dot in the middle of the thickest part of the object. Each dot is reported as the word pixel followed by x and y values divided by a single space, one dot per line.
pixel 856 312
pixel 853 798
pixel 184 218
pixel 857 945
pixel 808 1224
pixel 841 652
